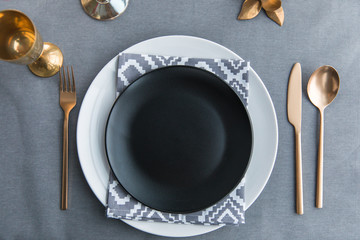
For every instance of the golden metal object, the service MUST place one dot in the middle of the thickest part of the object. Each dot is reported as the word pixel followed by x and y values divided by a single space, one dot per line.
pixel 49 63
pixel 277 16
pixel 322 89
pixel 271 5
pixel 294 100
pixel 250 9
pixel 273 9
pixel 67 103
pixel 21 43
pixel 104 9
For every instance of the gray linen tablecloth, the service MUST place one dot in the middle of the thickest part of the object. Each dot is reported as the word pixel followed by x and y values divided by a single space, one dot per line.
pixel 314 33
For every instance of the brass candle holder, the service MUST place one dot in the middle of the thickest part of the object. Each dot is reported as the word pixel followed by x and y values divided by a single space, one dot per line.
pixel 21 43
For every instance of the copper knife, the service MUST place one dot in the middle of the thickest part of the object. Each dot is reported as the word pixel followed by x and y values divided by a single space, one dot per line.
pixel 294 98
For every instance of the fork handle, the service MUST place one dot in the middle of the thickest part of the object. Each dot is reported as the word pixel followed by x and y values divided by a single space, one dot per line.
pixel 65 164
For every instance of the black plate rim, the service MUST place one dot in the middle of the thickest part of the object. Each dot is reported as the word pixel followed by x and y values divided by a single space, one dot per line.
pixel 248 162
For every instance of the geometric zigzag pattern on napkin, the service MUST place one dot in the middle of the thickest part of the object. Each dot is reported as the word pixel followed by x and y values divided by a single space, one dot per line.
pixel 233 71
pixel 231 209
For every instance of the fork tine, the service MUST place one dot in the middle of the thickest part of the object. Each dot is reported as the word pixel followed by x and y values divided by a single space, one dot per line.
pixel 73 79
pixel 65 86
pixel 61 82
pixel 68 78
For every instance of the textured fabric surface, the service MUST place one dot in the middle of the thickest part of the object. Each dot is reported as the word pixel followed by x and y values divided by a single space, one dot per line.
pixel 228 211
pixel 314 33
pixel 234 72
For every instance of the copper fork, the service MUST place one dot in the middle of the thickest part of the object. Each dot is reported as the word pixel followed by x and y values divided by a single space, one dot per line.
pixel 67 103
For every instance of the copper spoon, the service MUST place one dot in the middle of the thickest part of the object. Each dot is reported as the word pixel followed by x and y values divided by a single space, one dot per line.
pixel 322 89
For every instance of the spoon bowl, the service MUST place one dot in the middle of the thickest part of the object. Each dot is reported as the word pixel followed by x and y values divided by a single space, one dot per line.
pixel 322 89
pixel 323 86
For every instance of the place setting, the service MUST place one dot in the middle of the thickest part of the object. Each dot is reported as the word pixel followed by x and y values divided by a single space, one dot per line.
pixel 156 104
pixel 176 135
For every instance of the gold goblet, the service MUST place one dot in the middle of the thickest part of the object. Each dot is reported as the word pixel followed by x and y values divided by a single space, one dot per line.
pixel 104 9
pixel 20 42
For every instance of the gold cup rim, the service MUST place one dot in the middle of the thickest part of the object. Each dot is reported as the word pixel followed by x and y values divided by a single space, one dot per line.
pixel 35 33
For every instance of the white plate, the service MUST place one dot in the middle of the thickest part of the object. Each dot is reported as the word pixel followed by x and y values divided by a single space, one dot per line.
pixel 101 96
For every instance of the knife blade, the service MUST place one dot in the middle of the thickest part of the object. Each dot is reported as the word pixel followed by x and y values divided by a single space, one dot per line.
pixel 294 99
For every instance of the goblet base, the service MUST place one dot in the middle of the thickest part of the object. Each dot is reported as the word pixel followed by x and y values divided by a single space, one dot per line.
pixel 104 9
pixel 49 62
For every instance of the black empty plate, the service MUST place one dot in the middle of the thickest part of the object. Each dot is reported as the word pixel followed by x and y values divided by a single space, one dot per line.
pixel 178 139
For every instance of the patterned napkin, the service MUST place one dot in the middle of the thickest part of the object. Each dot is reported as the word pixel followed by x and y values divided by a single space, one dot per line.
pixel 231 209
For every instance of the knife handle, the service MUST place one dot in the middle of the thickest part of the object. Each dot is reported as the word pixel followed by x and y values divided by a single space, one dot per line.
pixel 298 166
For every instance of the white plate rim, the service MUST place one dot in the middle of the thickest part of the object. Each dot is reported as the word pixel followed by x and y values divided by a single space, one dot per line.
pixel 86 136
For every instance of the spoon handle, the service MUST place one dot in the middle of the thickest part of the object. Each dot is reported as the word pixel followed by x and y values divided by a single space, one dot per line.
pixel 319 184
pixel 298 167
